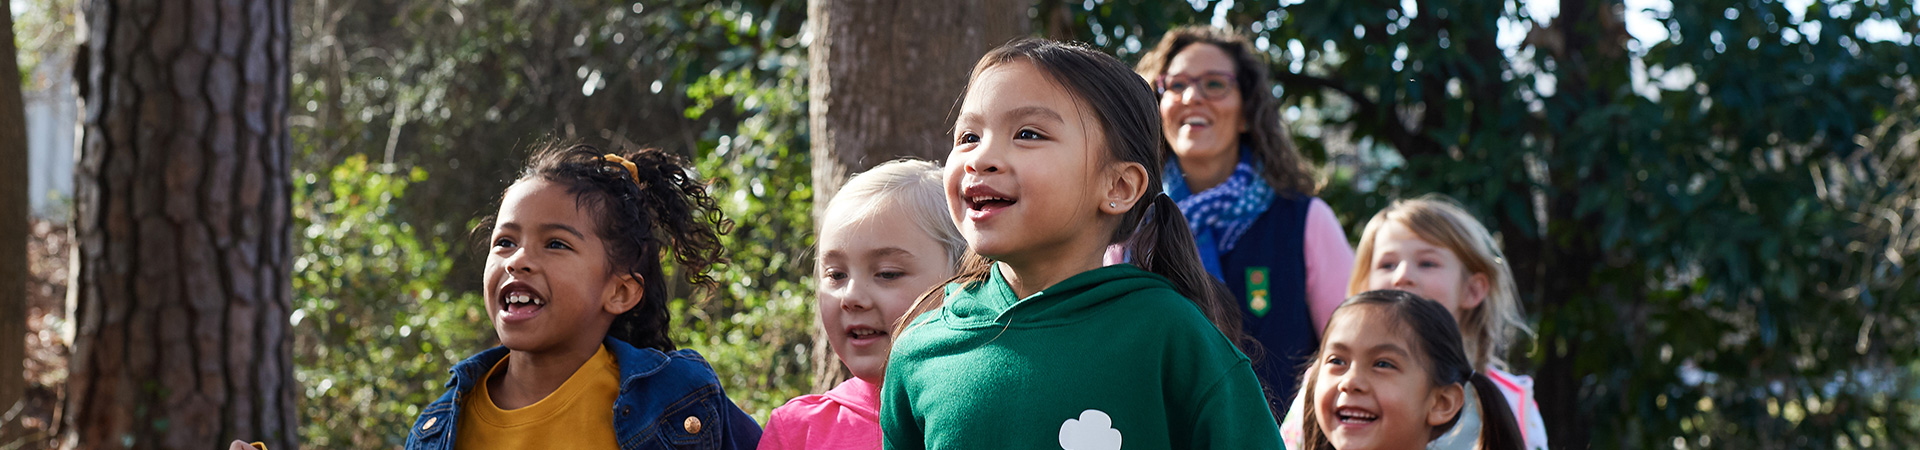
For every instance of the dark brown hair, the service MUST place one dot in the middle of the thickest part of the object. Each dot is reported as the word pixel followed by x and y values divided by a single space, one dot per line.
pixel 1129 122
pixel 1436 340
pixel 666 209
pixel 1266 133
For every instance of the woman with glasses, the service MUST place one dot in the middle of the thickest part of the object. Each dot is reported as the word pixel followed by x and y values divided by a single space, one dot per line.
pixel 1248 197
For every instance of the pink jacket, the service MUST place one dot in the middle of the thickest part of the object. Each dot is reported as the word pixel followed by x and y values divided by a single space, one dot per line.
pixel 847 417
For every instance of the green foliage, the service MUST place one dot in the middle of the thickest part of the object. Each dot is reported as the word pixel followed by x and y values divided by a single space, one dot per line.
pixel 375 328
pixel 1699 221
pixel 758 331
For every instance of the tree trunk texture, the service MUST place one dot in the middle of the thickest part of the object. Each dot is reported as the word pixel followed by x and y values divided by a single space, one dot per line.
pixel 885 80
pixel 182 225
pixel 13 230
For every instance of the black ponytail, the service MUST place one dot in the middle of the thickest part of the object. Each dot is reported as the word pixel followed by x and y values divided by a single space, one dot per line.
pixel 1164 245
pixel 654 205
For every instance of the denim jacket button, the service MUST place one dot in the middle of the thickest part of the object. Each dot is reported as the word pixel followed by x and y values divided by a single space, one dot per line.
pixel 625 410
pixel 429 424
pixel 693 425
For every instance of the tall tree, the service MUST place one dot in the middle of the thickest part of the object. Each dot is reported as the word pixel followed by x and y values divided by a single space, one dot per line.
pixel 182 223
pixel 885 77
pixel 13 223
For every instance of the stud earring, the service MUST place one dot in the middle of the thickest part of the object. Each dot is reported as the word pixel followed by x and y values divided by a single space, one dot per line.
pixel 1113 205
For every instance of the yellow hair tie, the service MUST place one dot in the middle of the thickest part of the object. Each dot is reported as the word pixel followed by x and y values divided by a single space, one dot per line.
pixel 632 170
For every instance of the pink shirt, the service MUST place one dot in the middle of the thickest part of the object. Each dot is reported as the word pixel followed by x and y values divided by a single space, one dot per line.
pixel 847 417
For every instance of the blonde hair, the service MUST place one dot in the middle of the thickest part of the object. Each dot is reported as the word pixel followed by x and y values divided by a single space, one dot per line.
pixel 911 184
pixel 1488 329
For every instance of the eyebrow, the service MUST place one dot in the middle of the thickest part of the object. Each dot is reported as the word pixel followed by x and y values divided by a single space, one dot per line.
pixel 1390 347
pixel 1042 112
pixel 547 227
pixel 888 251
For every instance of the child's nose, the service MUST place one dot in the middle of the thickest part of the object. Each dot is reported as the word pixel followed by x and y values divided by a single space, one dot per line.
pixel 855 298
pixel 519 263
pixel 985 158
pixel 1401 277
pixel 1353 383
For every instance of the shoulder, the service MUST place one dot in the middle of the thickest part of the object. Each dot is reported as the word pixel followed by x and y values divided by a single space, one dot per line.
pixel 791 419
pixel 1320 215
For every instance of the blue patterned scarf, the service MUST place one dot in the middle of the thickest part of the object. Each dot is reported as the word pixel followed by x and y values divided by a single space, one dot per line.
pixel 1221 214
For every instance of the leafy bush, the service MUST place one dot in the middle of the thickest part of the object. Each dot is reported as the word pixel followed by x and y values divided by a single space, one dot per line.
pixel 375 328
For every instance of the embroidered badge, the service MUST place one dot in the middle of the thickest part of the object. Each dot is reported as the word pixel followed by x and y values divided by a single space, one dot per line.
pixel 1092 431
pixel 1257 291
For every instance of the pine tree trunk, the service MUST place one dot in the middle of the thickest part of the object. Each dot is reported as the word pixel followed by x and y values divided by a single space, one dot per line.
pixel 182 227
pixel 885 80
pixel 13 227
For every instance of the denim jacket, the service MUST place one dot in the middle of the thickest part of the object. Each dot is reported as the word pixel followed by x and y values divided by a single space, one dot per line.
pixel 668 400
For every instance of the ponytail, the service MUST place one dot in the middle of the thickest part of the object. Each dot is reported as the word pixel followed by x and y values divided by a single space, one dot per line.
pixel 1498 431
pixel 1164 245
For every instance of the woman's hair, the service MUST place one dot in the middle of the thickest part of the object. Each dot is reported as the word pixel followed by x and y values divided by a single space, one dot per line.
pixel 667 208
pixel 1130 125
pixel 1266 133
pixel 1437 219
pixel 913 185
pixel 1435 340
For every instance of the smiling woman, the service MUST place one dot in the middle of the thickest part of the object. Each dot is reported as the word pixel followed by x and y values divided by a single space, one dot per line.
pixel 1243 188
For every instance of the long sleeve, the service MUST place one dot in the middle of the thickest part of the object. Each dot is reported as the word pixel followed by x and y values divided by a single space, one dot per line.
pixel 742 432
pixel 1232 413
pixel 899 430
pixel 1329 263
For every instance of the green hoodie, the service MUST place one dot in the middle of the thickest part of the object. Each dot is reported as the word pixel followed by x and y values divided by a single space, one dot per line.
pixel 1108 356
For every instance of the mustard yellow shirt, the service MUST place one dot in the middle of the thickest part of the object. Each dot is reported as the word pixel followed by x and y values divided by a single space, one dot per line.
pixel 577 415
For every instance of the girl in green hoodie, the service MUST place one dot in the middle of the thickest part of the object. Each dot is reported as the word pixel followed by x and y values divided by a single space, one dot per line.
pixel 1035 344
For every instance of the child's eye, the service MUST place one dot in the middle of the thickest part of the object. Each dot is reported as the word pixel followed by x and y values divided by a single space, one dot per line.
pixel 1336 361
pixel 893 275
pixel 1429 264
pixel 835 275
pixel 558 244
pixel 967 138
pixel 502 243
pixel 1027 134
pixel 1388 265
pixel 1384 364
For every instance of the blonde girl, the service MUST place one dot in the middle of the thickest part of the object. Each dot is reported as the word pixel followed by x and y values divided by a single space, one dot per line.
pixel 885 239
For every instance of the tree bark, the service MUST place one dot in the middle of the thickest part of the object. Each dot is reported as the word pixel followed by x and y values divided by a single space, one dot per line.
pixel 13 228
pixel 182 225
pixel 886 78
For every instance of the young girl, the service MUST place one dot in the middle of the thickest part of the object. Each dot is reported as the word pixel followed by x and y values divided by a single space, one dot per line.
pixel 1055 157
pixel 884 240
pixel 1432 247
pixel 1391 375
pixel 576 293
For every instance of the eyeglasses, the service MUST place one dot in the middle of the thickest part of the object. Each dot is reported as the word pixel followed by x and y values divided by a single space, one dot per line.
pixel 1213 85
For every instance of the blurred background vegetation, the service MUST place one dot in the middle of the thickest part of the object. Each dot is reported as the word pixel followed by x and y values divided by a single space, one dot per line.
pixel 1712 206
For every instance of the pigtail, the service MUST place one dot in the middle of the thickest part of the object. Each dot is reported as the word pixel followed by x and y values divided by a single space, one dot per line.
pixel 680 218
pixel 1498 431
pixel 1164 245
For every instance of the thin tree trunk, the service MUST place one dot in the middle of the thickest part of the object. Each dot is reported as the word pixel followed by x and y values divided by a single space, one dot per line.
pixel 885 79
pixel 13 229
pixel 182 216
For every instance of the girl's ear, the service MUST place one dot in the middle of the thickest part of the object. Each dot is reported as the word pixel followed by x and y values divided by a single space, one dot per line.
pixel 1128 183
pixel 1444 402
pixel 623 294
pixel 1476 291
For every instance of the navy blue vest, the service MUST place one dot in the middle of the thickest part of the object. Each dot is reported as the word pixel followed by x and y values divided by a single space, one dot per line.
pixel 1272 249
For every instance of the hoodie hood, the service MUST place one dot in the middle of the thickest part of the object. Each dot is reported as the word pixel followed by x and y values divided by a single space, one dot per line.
pixel 993 304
